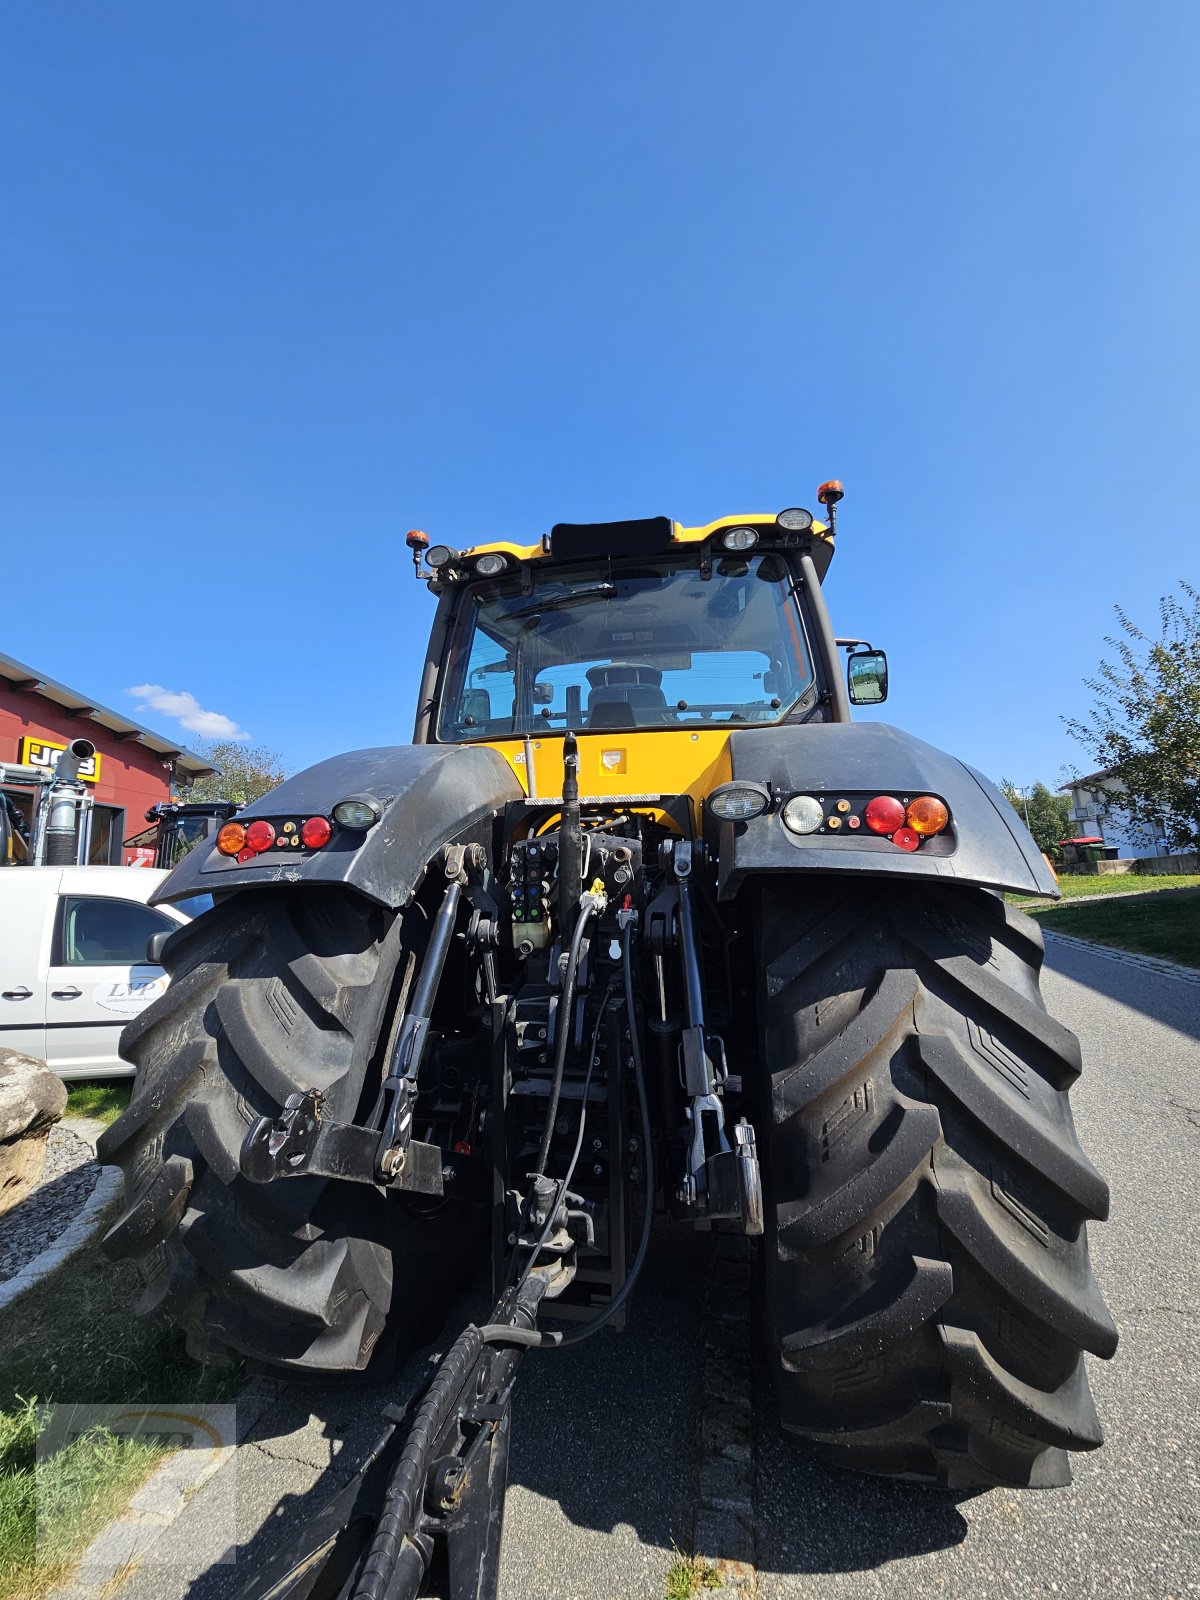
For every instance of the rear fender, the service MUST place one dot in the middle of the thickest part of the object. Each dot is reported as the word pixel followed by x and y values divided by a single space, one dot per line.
pixel 429 795
pixel 986 843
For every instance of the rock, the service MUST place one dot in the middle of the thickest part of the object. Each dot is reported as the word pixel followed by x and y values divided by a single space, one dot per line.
pixel 31 1097
pixel 32 1100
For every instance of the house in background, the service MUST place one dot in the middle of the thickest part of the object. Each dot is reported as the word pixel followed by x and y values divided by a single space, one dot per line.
pixel 1097 815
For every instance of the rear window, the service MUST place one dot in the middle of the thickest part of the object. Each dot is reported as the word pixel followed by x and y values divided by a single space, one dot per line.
pixel 658 644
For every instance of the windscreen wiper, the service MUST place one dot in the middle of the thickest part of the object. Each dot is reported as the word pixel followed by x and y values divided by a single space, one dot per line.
pixel 576 596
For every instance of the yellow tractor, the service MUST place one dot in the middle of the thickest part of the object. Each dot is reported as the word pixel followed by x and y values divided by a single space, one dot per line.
pixel 641 923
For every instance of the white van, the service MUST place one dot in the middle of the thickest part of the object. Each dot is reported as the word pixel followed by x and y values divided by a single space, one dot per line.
pixel 73 966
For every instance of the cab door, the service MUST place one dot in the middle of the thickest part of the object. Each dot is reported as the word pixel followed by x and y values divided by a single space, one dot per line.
pixel 99 978
pixel 28 896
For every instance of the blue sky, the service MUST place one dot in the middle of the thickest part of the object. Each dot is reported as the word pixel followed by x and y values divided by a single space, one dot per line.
pixel 281 281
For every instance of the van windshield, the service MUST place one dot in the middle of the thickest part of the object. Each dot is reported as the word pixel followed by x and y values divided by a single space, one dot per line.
pixel 629 645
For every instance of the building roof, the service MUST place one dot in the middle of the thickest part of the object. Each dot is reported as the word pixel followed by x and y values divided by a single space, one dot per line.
pixel 88 710
pixel 1092 777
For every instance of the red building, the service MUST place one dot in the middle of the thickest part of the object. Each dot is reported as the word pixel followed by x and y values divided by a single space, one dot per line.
pixel 132 769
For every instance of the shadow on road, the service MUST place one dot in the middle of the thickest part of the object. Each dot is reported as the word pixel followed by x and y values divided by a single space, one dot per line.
pixel 604 1437
pixel 1172 1000
pixel 815 1519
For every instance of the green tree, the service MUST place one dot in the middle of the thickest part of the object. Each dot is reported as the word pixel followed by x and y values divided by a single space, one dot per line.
pixel 1144 724
pixel 1049 813
pixel 246 772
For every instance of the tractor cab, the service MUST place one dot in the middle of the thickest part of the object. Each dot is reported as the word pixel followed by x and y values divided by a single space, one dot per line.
pixel 650 641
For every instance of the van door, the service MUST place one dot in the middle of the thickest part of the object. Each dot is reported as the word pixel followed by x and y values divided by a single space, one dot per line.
pixel 28 896
pixel 99 979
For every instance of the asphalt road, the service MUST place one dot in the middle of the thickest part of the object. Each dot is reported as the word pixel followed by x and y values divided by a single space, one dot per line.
pixel 604 1464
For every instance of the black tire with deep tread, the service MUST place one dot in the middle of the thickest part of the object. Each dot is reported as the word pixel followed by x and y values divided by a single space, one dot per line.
pixel 272 992
pixel 928 1285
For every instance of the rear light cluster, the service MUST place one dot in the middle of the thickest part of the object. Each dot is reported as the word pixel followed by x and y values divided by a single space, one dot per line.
pixel 906 822
pixel 245 840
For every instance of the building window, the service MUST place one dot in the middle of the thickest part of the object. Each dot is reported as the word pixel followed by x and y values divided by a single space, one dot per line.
pixel 108 835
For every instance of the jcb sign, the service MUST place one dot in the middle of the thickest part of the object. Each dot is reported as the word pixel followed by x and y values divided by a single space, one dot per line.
pixel 44 753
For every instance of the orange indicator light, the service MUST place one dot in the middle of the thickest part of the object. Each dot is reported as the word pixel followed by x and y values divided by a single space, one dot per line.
pixel 927 815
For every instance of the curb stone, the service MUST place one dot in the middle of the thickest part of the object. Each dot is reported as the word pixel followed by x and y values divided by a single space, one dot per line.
pixel 1169 969
pixel 124 1545
pixel 86 1225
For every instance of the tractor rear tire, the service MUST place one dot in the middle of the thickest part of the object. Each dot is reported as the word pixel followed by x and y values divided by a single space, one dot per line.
pixel 273 992
pixel 928 1286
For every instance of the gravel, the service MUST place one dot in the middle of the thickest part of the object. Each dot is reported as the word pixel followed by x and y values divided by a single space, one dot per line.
pixel 68 1179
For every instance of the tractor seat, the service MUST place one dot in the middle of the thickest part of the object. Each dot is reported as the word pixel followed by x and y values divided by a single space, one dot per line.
pixel 624 694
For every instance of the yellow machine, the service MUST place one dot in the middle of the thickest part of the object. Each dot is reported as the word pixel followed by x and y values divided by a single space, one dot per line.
pixel 640 922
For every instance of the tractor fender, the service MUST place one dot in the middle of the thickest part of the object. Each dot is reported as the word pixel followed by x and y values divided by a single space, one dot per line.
pixel 986 844
pixel 428 795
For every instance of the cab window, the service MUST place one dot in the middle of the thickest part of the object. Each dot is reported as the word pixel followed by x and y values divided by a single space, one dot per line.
pixel 627 644
pixel 105 933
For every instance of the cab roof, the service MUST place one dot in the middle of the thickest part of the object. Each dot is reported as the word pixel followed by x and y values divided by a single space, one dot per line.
pixel 644 536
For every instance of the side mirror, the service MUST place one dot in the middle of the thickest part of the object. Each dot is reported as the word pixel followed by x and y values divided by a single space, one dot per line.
pixel 867 677
pixel 154 947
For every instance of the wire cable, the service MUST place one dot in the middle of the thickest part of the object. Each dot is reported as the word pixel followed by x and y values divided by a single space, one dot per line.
pixel 566 1007
pixel 565 1183
pixel 500 1333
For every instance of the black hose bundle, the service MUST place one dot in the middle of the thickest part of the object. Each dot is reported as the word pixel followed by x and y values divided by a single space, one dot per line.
pixel 503 1333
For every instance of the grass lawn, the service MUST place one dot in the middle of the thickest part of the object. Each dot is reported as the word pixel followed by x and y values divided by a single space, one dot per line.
pixel 103 1100
pixel 75 1340
pixel 1074 884
pixel 1151 924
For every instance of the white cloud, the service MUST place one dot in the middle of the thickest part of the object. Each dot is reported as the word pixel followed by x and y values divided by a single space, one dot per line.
pixel 187 711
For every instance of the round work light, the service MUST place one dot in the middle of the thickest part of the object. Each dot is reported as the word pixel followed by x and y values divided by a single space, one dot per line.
pixel 795 520
pixel 490 565
pixel 357 813
pixel 803 814
pixel 439 555
pixel 738 802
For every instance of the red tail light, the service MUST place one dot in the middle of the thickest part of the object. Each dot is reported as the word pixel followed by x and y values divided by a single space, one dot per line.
pixel 884 814
pixel 260 836
pixel 316 832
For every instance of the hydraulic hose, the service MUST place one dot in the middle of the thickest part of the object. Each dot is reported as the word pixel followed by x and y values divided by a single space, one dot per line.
pixel 566 1007
pixel 565 1183
pixel 500 1333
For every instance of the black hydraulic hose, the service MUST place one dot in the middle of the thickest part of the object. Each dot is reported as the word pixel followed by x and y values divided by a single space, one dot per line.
pixel 562 1042
pixel 395 1566
pixel 383 1567
pixel 501 1333
pixel 565 1183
